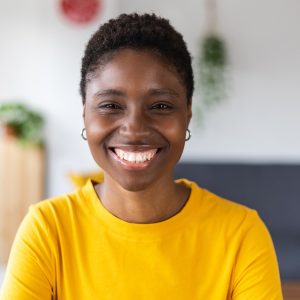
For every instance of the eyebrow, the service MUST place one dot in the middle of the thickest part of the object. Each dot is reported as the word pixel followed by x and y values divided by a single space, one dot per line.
pixel 109 92
pixel 151 92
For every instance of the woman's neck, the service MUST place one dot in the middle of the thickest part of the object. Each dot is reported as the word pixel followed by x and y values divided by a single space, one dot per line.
pixel 159 202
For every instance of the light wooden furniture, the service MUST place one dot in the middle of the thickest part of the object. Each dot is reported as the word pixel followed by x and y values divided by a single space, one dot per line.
pixel 21 184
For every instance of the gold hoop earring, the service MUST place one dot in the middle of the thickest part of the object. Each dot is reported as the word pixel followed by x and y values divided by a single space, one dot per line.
pixel 187 135
pixel 83 134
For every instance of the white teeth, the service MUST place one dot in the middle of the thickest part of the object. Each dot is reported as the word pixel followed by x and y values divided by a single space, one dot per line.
pixel 137 157
pixel 130 157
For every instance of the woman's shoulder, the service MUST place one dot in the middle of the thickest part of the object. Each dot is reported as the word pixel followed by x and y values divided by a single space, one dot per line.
pixel 219 210
pixel 65 205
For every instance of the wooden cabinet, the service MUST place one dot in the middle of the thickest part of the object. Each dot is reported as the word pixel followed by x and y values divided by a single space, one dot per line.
pixel 21 184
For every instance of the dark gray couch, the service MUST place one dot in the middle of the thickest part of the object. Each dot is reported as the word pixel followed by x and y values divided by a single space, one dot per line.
pixel 273 190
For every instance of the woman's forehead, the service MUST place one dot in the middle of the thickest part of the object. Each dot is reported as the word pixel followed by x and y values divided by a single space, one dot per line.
pixel 135 64
pixel 132 69
pixel 145 55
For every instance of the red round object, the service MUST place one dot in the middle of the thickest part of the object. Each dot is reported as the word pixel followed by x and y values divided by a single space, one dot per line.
pixel 80 11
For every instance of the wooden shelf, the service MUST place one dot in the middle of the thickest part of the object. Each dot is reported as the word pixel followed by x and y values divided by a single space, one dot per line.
pixel 21 184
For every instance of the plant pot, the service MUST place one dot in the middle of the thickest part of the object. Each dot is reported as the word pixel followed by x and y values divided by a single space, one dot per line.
pixel 8 132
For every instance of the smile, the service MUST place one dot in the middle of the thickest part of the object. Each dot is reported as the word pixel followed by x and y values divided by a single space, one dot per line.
pixel 135 156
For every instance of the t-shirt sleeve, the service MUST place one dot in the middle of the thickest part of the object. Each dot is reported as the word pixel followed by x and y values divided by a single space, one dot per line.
pixel 256 274
pixel 30 267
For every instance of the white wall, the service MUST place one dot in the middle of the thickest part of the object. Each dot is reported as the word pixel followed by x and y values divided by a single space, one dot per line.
pixel 40 63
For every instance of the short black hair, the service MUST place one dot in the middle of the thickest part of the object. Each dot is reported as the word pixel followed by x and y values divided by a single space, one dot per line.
pixel 138 32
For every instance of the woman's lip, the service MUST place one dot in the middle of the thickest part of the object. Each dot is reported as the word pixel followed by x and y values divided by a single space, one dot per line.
pixel 134 148
pixel 132 165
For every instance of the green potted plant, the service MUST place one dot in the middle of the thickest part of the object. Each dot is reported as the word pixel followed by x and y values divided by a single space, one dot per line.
pixel 212 63
pixel 21 122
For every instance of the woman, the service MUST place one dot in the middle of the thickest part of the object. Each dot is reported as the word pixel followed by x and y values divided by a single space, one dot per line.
pixel 139 234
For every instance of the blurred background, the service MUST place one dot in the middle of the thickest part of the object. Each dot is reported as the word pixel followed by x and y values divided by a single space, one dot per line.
pixel 257 123
pixel 41 52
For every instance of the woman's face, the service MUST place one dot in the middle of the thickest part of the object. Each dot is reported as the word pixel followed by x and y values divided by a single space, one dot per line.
pixel 136 116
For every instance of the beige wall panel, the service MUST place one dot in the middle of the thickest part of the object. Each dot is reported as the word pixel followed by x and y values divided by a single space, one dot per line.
pixel 21 184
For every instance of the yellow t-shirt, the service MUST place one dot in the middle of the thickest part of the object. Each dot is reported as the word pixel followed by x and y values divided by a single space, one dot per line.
pixel 71 247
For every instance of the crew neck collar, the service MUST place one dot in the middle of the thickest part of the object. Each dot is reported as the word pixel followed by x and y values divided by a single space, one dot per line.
pixel 143 231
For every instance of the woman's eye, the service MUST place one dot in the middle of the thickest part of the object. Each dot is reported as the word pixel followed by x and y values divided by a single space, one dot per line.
pixel 109 106
pixel 161 106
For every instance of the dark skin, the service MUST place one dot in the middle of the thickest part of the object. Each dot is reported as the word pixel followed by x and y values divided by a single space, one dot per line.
pixel 136 104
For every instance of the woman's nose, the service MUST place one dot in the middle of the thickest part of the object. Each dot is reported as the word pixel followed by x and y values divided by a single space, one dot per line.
pixel 135 125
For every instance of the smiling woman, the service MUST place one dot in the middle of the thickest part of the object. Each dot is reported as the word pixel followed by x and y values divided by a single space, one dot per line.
pixel 138 233
pixel 136 107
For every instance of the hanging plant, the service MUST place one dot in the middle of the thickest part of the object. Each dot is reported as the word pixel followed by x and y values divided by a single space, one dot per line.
pixel 212 67
pixel 212 62
pixel 24 124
